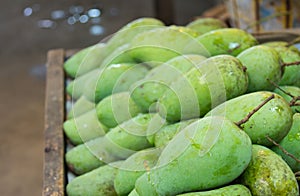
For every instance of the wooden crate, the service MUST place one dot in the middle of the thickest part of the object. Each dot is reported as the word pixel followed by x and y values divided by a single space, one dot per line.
pixel 55 171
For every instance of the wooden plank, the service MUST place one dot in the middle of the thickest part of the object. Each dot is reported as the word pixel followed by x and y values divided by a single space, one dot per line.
pixel 54 167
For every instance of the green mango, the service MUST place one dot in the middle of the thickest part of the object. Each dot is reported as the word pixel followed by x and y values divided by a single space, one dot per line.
pixel 268 174
pixel 84 128
pixel 146 92
pixel 230 190
pixel 166 133
pixel 98 182
pixel 209 84
pixel 130 30
pixel 208 153
pixel 118 144
pixel 229 41
pixel 291 143
pixel 133 167
pixel 204 25
pixel 133 193
pixel 293 90
pixel 288 54
pixel 113 79
pixel 274 119
pixel 76 87
pixel 162 44
pixel 85 60
pixel 117 108
pixel 263 64
pixel 80 106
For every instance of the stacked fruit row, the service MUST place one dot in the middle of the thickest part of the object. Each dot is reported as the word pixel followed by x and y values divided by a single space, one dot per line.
pixel 195 110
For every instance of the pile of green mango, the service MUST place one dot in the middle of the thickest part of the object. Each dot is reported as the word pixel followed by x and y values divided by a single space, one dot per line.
pixel 200 109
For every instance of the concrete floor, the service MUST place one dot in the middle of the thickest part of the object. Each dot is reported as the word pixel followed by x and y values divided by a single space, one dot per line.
pixel 23 51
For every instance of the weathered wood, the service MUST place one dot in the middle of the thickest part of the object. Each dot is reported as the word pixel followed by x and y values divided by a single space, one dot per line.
pixel 54 167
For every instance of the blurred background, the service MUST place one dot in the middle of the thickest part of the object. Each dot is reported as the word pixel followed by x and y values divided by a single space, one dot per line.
pixel 30 28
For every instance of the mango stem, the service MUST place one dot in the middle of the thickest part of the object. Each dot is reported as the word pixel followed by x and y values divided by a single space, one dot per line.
pixel 244 120
pixel 290 64
pixel 282 149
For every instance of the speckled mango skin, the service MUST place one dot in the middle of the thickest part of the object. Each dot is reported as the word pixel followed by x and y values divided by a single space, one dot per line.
pixel 268 175
pixel 288 54
pixel 97 182
pixel 273 119
pixel 133 167
pixel 263 63
pixel 231 190
pixel 81 106
pixel 119 143
pixel 116 108
pixel 211 83
pixel 204 25
pixel 163 44
pixel 209 153
pixel 84 128
pixel 291 143
pixel 147 91
pixel 113 79
pixel 293 90
pixel 229 41
pixel 85 60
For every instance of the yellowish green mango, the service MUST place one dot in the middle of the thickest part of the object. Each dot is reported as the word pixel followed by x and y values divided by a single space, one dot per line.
pixel 207 154
pixel 209 84
pixel 80 106
pixel 229 41
pixel 268 174
pixel 274 119
pixel 230 190
pixel 146 92
pixel 263 67
pixel 98 182
pixel 291 143
pixel 133 193
pixel 204 25
pixel 293 90
pixel 117 108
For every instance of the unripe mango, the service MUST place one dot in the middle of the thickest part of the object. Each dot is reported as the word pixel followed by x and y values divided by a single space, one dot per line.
pixel 209 84
pixel 209 153
pixel 293 90
pixel 146 92
pixel 80 106
pixel 117 108
pixel 229 41
pixel 97 182
pixel 291 143
pixel 268 174
pixel 274 119
pixel 84 128
pixel 230 190
pixel 263 65
pixel 204 25
pixel 133 167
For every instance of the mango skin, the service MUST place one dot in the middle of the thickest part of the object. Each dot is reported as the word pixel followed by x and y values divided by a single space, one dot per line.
pixel 163 44
pixel 204 25
pixel 197 159
pixel 268 174
pixel 79 107
pixel 113 79
pixel 291 143
pixel 85 60
pixel 263 63
pixel 97 182
pixel 273 119
pixel 209 84
pixel 133 167
pixel 117 108
pixel 293 90
pixel 84 128
pixel 146 92
pixel 288 54
pixel 230 190
pixel 229 41
pixel 118 144
pixel 133 193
